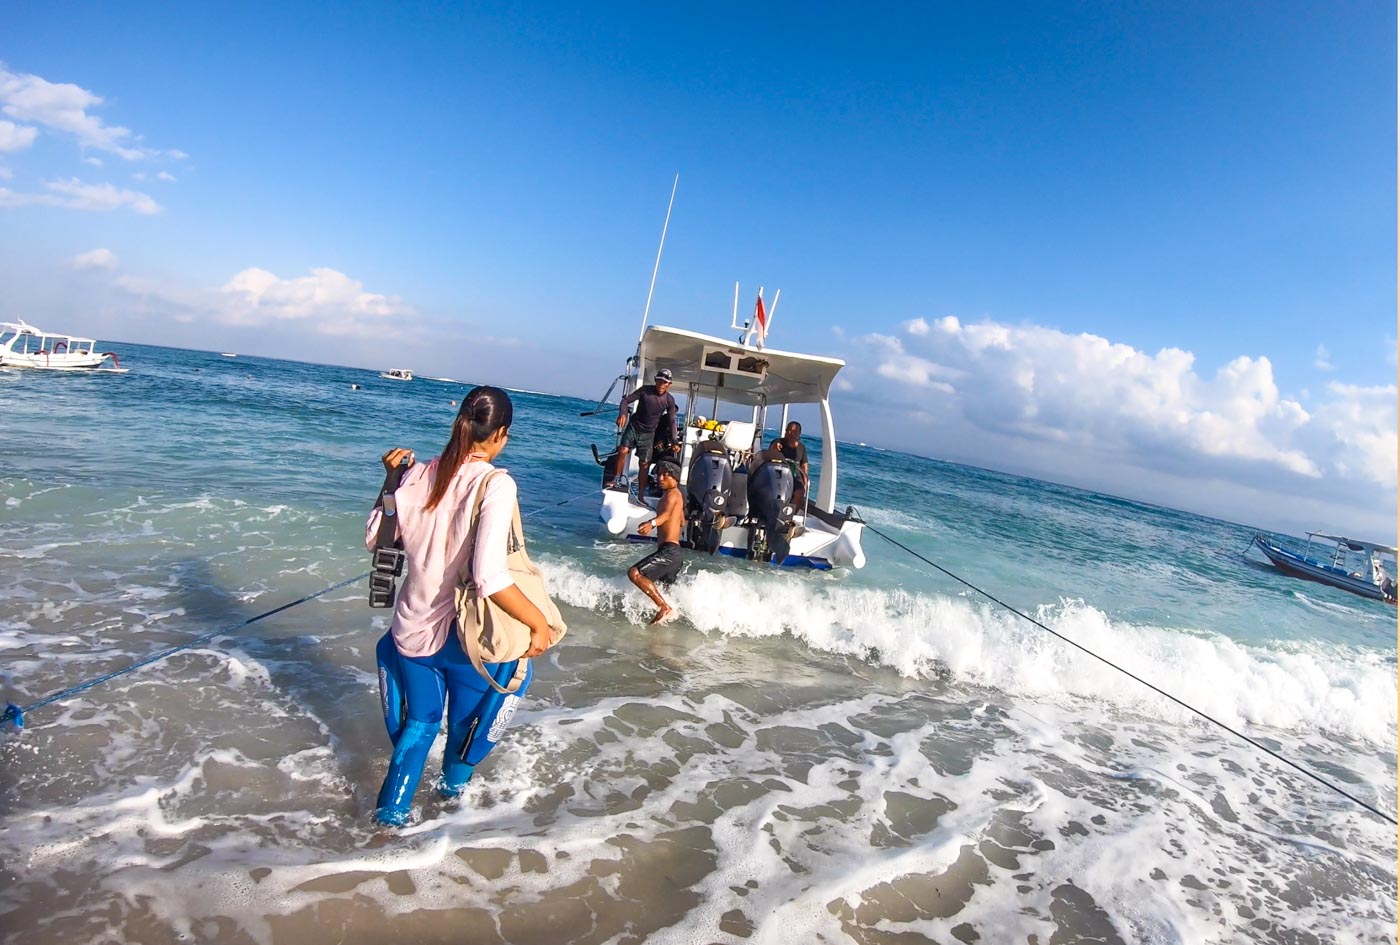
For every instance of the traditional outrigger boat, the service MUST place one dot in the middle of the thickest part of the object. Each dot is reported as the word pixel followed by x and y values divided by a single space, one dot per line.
pixel 1334 565
pixel 726 512
pixel 23 345
pixel 397 374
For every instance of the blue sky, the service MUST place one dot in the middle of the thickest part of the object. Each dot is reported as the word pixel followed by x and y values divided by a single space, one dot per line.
pixel 1151 251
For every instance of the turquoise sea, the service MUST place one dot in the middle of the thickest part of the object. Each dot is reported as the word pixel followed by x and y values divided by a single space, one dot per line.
pixel 874 756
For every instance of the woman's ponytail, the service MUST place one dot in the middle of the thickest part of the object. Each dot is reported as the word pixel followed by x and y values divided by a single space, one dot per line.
pixel 484 411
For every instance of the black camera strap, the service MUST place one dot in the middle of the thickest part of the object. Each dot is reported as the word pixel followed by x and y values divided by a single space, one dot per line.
pixel 388 557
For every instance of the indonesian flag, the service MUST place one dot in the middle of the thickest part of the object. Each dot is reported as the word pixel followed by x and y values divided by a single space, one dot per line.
pixel 761 318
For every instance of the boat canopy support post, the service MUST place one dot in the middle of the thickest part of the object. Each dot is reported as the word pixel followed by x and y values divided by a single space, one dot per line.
pixel 826 486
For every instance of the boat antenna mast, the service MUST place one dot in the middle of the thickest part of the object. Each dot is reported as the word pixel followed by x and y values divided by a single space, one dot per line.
pixel 646 312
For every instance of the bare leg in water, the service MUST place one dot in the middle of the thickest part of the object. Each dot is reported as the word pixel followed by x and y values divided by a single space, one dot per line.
pixel 649 589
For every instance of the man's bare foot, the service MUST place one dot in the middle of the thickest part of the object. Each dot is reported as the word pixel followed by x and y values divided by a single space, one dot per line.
pixel 665 615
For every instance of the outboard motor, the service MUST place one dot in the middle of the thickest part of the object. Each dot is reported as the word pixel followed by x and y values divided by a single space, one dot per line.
pixel 707 495
pixel 770 503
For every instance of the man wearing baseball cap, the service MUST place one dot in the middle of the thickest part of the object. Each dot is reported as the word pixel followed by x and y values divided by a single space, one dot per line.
pixel 654 404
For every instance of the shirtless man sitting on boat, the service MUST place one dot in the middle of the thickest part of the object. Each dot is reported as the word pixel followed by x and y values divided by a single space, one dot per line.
pixel 663 564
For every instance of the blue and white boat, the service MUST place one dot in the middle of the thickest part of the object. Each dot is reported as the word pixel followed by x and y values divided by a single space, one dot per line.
pixel 1352 565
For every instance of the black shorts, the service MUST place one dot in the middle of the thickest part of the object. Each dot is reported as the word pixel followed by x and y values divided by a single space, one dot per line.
pixel 662 565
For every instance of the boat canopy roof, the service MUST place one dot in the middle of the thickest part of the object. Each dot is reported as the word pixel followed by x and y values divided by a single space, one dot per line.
pixel 737 373
pixel 22 327
pixel 1354 544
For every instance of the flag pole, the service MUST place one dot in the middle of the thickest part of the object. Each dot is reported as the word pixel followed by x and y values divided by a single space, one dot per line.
pixel 646 312
pixel 768 322
pixel 753 321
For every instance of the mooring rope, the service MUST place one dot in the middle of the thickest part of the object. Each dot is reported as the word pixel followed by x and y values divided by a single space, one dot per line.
pixel 15 713
pixel 1264 748
pixel 546 508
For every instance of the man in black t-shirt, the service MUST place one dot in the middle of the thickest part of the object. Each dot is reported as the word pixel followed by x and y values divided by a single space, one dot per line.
pixel 654 405
pixel 791 447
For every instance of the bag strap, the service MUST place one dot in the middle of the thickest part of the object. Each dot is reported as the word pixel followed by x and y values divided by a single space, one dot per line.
pixel 472 644
pixel 517 532
pixel 473 648
pixel 473 520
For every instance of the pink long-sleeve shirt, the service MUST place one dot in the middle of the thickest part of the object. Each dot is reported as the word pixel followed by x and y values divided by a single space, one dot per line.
pixel 435 545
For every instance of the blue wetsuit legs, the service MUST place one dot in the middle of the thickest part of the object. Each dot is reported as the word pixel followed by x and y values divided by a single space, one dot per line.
pixel 475 722
pixel 391 695
pixel 477 717
pixel 405 768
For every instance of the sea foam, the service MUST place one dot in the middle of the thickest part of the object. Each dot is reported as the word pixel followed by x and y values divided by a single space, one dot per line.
pixel 1305 687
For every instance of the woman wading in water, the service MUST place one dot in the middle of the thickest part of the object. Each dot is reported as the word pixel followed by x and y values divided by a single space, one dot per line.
pixel 421 653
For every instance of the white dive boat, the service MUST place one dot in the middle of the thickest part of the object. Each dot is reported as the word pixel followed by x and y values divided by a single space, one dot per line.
pixel 725 513
pixel 397 374
pixel 23 345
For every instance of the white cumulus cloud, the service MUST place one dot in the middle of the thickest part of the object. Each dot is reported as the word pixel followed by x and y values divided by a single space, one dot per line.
pixel 94 259
pixel 1356 429
pixel 15 137
pixel 329 300
pixel 1043 385
pixel 325 304
pixel 67 108
pixel 73 194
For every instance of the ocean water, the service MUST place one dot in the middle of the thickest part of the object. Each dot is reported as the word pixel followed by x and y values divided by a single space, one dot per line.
pixel 875 756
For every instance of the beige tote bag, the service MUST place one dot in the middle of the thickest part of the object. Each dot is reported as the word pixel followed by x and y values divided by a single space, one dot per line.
pixel 488 633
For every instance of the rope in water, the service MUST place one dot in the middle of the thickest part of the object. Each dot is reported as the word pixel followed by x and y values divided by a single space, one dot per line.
pixel 15 713
pixel 1316 777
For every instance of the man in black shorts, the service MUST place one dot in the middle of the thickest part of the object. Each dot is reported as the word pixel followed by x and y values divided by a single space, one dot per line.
pixel 655 416
pixel 663 564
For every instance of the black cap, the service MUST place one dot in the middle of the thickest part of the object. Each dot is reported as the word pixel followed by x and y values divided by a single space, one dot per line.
pixel 668 468
pixel 662 375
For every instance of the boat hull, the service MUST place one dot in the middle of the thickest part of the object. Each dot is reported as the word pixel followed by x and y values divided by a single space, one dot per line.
pixel 1296 565
pixel 820 545
pixel 40 362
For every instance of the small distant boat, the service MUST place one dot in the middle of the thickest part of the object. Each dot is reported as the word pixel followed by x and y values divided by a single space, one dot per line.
pixel 397 374
pixel 1333 565
pixel 23 345
pixel 230 354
